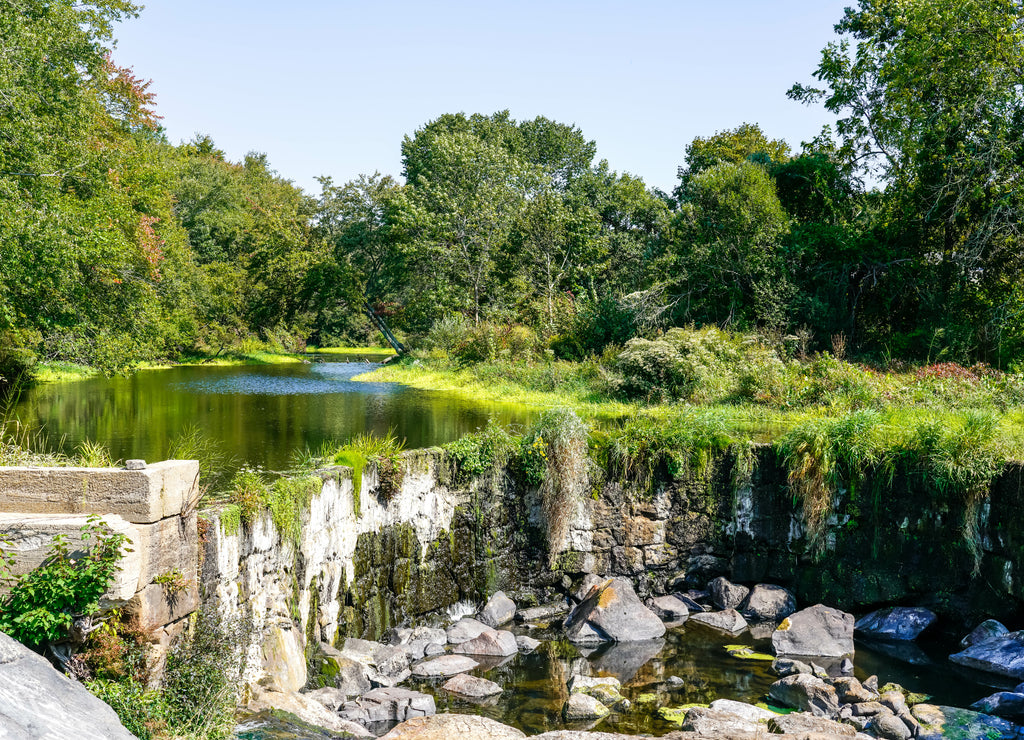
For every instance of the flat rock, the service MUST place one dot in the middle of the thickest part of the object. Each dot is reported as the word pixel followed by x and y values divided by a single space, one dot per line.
pixel 37 701
pixel 465 629
pixel 1003 654
pixel 742 709
pixel 444 665
pixel 543 613
pixel 896 622
pixel 498 610
pixel 950 722
pixel 669 608
pixel 527 644
pixel 801 722
pixel 715 723
pixel 985 631
pixel 500 643
pixel 806 693
pixel 768 603
pixel 472 686
pixel 390 704
pixel 816 631
pixel 729 621
pixel 612 612
pixel 579 707
pixel 725 594
pixel 449 726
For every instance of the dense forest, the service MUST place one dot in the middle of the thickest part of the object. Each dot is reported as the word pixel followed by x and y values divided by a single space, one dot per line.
pixel 895 233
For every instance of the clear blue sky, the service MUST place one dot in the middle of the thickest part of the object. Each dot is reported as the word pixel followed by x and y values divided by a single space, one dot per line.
pixel 331 87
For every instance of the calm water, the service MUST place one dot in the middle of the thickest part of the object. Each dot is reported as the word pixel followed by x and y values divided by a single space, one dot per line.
pixel 260 414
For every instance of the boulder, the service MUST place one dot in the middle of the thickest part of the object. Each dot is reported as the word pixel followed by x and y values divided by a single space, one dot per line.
pixel 349 676
pixel 612 612
pixel 985 631
pixel 498 610
pixel 946 722
pixel 384 665
pixel 445 665
pixel 896 622
pixel 889 727
pixel 729 621
pixel 806 693
pixel 816 631
pixel 303 708
pixel 709 722
pixel 389 704
pixel 799 723
pixel 589 581
pixel 742 709
pixel 725 594
pixel 465 629
pixel 1003 654
pixel 692 604
pixel 1006 704
pixel 851 691
pixel 768 603
pixel 331 698
pixel 527 644
pixel 669 608
pixel 473 687
pixel 580 707
pixel 500 643
pixel 789 666
pixel 605 689
pixel 36 701
pixel 543 613
pixel 448 726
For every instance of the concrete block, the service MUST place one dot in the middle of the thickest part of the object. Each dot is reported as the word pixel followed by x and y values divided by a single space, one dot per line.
pixel 156 606
pixel 31 538
pixel 166 545
pixel 159 491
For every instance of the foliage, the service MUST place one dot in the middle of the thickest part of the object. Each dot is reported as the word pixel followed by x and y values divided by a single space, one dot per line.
pixel 194 444
pixel 42 604
pixel 479 453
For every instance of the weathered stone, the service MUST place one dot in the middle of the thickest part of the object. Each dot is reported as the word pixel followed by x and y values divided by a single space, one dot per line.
pixel 449 726
pixel 985 631
pixel 692 604
pixel 816 631
pixel 894 702
pixel 725 594
pixel 445 665
pixel 348 675
pixel 669 608
pixel 896 622
pixel 869 709
pixel 889 727
pixel 951 722
pixel 283 657
pixel 492 642
pixel 742 709
pixel 579 707
pixel 789 666
pixel 715 723
pixel 527 644
pixel 545 612
pixel 578 683
pixel 36 701
pixel 1005 704
pixel 464 684
pixel 729 621
pixel 390 704
pixel 1003 654
pixel 768 603
pixel 806 693
pixel 330 697
pixel 799 723
pixel 851 691
pixel 157 605
pixel 499 610
pixel 307 709
pixel 613 612
pixel 465 629
pixel 590 580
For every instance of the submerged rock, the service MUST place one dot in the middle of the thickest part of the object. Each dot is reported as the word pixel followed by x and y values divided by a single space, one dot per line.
pixel 816 631
pixel 729 621
pixel 499 610
pixel 472 686
pixel 449 726
pixel 768 603
pixel 725 594
pixel 580 707
pixel 1003 654
pixel 612 612
pixel 896 622
pixel 950 722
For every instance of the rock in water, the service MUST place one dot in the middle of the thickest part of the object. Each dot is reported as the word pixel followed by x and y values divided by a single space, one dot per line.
pixel 710 723
pixel 896 622
pixel 945 722
pixel 729 621
pixel 449 726
pixel 471 686
pixel 768 603
pixel 612 612
pixel 1006 704
pixel 465 629
pixel 806 693
pixel 37 701
pixel 669 608
pixel 500 643
pixel 725 594
pixel 1003 654
pixel 499 610
pixel 581 707
pixel 445 665
pixel 816 631
pixel 985 631
pixel 800 723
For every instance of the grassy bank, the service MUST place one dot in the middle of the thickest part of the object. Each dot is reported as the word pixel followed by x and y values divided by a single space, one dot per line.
pixel 60 372
pixel 365 351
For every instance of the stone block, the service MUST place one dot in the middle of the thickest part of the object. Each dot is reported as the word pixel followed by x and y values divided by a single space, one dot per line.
pixel 166 545
pixel 156 606
pixel 159 491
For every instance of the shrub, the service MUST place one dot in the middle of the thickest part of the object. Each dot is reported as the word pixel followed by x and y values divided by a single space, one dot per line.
pixel 447 333
pixel 479 453
pixel 595 326
pixel 486 341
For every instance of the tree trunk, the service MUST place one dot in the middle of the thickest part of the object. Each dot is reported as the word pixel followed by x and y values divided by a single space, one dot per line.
pixel 382 326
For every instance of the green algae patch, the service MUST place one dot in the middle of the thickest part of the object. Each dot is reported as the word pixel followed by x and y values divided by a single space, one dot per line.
pixel 745 652
pixel 357 461
pixel 647 699
pixel 773 708
pixel 677 715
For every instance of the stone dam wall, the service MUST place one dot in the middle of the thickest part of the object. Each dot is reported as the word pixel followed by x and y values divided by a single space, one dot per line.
pixel 362 564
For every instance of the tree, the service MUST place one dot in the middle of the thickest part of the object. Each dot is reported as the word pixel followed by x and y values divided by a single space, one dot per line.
pixel 732 146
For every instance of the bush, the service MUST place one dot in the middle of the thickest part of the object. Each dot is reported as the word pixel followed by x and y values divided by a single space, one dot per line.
pixel 479 453
pixel 486 342
pixel 594 327
pixel 447 333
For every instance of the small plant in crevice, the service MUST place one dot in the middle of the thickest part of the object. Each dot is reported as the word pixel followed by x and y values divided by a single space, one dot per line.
pixel 285 498
pixel 480 453
pixel 174 582
pixel 362 449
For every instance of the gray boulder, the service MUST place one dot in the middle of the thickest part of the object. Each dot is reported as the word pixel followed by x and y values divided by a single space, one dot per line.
pixel 889 727
pixel 851 691
pixel 725 594
pixel 708 722
pixel 788 667
pixel 390 704
pixel 1003 655
pixel 896 622
pixel 742 709
pixel 580 707
pixel 500 643
pixel 1006 704
pixel 946 722
pixel 612 612
pixel 473 687
pixel 816 631
pixel 37 701
pixel 543 613
pixel 985 631
pixel 445 665
pixel 768 603
pixel 498 610
pixel 527 644
pixel 729 621
pixel 806 693
pixel 465 629
pixel 669 608
pixel 801 723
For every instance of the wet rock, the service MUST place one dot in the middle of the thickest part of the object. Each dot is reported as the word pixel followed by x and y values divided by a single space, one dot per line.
pixel 527 644
pixel 742 709
pixel 674 681
pixel 816 631
pixel 894 701
pixel 985 631
pixel 806 693
pixel 869 709
pixel 669 608
pixel 1006 704
pixel 349 676
pixel 851 691
pixel 896 622
pixel 382 665
pixel 613 612
pixel 448 726
pixel 624 659
pixel 789 666
pixel 846 666
pixel 949 722
pixel 445 665
pixel 800 723
pixel 889 727
pixel 499 610
pixel 465 629
pixel 714 723
pixel 471 686
pixel 692 604
pixel 542 613
pixel 501 643
pixel 729 621
pixel 589 581
pixel 768 603
pixel 390 704
pixel 725 594
pixel 580 707
pixel 1003 654
pixel 606 689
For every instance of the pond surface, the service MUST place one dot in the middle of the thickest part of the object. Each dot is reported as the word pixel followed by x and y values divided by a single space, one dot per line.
pixel 260 414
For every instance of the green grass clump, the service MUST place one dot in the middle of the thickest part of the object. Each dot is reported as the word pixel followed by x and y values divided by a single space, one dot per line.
pixel 251 493
pixel 481 452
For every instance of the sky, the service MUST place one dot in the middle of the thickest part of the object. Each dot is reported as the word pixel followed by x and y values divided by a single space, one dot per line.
pixel 330 88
